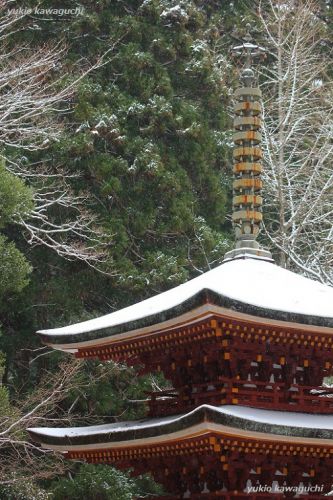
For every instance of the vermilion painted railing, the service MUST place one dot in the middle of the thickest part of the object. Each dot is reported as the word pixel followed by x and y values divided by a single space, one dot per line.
pixel 277 395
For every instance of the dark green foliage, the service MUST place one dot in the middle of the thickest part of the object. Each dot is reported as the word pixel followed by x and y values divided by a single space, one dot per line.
pixel 148 134
pixel 15 202
pixel 98 482
pixel 14 268
pixel 108 392
pixel 15 197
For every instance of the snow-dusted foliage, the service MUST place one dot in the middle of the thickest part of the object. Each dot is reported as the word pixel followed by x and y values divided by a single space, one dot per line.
pixel 35 92
pixel 175 13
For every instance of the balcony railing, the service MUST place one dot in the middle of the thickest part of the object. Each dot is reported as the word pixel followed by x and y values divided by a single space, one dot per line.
pixel 258 394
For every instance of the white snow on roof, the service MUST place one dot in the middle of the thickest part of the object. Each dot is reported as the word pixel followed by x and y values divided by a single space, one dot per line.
pixel 284 418
pixel 252 281
pixel 101 429
pixel 273 417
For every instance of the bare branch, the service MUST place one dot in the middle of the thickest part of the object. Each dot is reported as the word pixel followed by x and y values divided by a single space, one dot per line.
pixel 297 135
pixel 35 93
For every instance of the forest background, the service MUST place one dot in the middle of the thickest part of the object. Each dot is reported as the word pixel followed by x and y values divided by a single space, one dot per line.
pixel 116 180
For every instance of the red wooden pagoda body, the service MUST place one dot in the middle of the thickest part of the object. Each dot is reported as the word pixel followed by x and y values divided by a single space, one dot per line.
pixel 225 360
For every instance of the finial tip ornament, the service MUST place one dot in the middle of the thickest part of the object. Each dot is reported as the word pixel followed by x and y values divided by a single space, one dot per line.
pixel 248 36
pixel 248 50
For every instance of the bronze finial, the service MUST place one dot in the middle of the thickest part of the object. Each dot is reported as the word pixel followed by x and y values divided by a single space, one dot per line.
pixel 247 198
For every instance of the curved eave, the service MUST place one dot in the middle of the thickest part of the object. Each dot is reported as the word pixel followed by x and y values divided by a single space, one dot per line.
pixel 203 297
pixel 250 286
pixel 233 421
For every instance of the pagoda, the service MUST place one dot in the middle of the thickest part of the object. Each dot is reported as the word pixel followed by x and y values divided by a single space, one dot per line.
pixel 245 347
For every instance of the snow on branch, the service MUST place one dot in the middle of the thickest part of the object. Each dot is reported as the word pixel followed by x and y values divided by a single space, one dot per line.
pixel 297 136
pixel 35 92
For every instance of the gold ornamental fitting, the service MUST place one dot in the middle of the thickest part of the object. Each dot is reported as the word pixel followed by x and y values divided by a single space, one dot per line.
pixel 247 216
pixel 247 135
pixel 247 199
pixel 254 152
pixel 243 121
pixel 253 106
pixel 245 183
pixel 255 168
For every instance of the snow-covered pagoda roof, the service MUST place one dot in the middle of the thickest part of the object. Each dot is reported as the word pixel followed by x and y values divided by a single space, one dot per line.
pixel 228 420
pixel 248 285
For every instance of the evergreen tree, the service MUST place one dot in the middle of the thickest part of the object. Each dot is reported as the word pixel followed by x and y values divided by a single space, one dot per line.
pixel 149 136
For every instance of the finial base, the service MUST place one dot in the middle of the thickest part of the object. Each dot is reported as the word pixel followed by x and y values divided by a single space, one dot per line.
pixel 250 252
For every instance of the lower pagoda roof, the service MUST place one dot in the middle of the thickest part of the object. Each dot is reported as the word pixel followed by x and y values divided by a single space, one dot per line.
pixel 248 286
pixel 228 420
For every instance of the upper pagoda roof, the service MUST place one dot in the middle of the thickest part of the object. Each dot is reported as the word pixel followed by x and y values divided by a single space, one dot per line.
pixel 248 285
pixel 233 420
pixel 252 286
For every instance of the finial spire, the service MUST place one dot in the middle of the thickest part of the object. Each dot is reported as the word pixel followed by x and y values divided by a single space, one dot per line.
pixel 247 199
